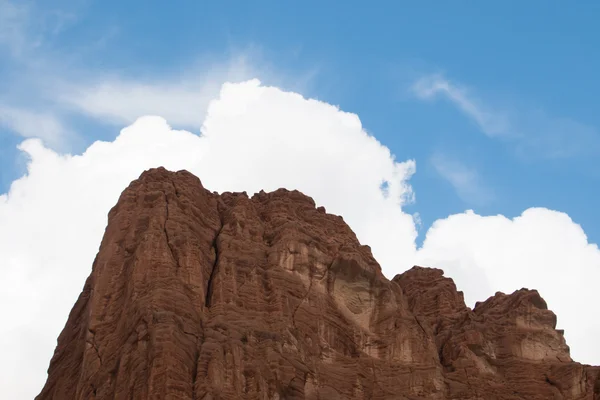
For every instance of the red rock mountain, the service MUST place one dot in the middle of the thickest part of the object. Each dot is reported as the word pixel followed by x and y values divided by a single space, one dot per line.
pixel 195 295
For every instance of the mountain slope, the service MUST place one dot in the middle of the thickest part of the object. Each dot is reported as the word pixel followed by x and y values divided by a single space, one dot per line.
pixel 195 295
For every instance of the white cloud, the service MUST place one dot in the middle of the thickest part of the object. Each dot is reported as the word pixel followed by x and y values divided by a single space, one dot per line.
pixel 533 132
pixel 26 33
pixel 181 96
pixel 52 220
pixel 491 123
pixel 42 76
pixel 182 100
pixel 28 123
pixel 541 249
pixel 466 181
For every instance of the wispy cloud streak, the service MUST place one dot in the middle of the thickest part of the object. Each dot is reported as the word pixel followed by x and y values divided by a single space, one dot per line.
pixel 466 181
pixel 534 133
pixel 490 122
pixel 41 79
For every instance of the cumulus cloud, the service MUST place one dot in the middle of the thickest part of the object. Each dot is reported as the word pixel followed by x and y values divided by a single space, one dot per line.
pixel 540 249
pixel 181 97
pixel 256 137
pixel 253 138
pixel 41 74
pixel 182 100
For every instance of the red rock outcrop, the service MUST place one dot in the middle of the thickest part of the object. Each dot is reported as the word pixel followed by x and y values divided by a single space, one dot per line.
pixel 195 295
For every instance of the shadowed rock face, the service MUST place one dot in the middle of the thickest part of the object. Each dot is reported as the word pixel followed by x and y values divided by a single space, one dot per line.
pixel 195 295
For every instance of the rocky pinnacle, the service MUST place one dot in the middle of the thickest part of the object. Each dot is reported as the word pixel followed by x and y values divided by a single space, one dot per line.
pixel 196 295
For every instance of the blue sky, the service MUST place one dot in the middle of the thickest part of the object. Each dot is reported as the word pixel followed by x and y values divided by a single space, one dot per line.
pixel 530 65
pixel 495 103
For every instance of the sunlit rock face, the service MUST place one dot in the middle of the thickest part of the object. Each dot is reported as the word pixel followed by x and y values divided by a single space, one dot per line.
pixel 196 295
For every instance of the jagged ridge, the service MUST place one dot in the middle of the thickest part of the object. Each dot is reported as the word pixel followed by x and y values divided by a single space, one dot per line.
pixel 195 295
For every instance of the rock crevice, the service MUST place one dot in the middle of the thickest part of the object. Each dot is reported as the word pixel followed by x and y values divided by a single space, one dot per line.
pixel 213 271
pixel 196 295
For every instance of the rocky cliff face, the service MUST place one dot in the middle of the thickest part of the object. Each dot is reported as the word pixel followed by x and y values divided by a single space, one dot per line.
pixel 195 295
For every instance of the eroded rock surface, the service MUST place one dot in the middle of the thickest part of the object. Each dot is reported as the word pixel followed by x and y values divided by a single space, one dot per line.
pixel 195 295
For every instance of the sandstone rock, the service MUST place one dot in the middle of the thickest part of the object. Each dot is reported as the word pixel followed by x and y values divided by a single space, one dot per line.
pixel 195 295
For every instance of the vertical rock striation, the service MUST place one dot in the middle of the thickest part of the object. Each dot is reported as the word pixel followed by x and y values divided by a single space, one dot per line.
pixel 195 295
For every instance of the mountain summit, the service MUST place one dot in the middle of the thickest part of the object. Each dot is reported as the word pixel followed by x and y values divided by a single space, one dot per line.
pixel 196 295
